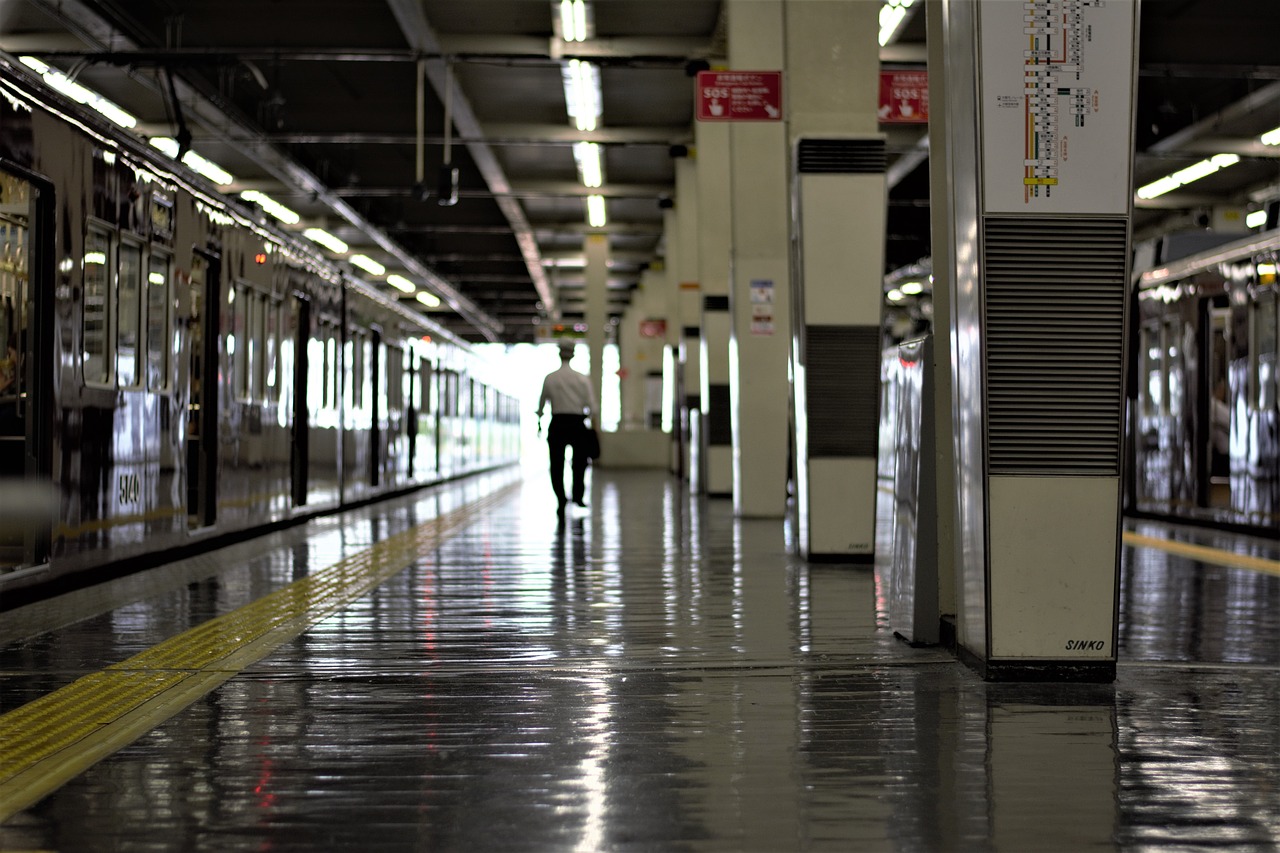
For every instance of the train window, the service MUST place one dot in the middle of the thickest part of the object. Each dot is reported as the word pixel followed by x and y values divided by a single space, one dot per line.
pixel 129 317
pixel 1152 370
pixel 97 313
pixel 1264 350
pixel 159 324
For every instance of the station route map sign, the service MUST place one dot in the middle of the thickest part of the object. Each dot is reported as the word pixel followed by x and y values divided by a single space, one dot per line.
pixel 1055 98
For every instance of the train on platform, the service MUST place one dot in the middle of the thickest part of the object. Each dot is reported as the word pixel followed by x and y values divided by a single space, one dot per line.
pixel 176 370
pixel 1203 426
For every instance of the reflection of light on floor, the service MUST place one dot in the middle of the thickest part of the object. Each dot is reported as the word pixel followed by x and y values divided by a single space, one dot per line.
pixel 596 728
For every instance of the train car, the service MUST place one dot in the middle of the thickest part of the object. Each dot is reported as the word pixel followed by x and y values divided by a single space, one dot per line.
pixel 175 369
pixel 1204 427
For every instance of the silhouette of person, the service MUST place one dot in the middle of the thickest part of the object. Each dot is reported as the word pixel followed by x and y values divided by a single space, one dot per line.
pixel 571 399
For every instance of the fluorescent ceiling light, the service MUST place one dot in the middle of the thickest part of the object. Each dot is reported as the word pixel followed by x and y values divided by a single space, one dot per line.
pixel 208 168
pixel 582 93
pixel 1194 172
pixel 368 264
pixel 324 238
pixel 911 288
pixel 271 206
pixel 596 211
pixel 573 20
pixel 1256 219
pixel 587 156
pixel 895 295
pixel 76 92
pixel 892 14
pixel 1271 137
pixel 428 299
pixel 401 283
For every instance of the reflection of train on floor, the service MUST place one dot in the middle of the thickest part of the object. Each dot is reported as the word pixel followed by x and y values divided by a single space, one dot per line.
pixel 178 370
pixel 1204 423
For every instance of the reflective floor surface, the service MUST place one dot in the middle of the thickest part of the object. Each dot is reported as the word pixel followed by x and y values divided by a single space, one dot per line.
pixel 654 675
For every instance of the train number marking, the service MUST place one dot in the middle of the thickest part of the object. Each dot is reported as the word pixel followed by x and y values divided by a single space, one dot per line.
pixel 130 488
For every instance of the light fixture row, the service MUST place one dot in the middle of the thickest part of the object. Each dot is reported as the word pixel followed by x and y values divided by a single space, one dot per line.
pixel 220 176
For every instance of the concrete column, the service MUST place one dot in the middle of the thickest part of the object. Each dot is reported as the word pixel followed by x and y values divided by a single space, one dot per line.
pixel 715 212
pixel 839 198
pixel 596 248
pixel 641 353
pixel 1037 362
pixel 760 294
pixel 685 273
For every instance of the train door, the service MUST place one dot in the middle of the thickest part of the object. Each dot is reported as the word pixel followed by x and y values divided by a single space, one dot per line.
pixel 202 401
pixel 26 355
pixel 413 405
pixel 300 455
pixel 377 407
pixel 1213 410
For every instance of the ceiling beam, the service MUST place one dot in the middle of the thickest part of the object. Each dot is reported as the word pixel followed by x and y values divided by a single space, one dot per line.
pixel 422 38
pixel 88 25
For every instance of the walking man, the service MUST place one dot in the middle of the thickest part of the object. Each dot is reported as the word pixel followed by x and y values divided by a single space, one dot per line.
pixel 571 397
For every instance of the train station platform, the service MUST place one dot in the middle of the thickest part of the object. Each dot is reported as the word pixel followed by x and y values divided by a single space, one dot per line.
pixel 454 670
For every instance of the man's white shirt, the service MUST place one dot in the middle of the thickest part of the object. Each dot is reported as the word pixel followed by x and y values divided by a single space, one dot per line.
pixel 568 392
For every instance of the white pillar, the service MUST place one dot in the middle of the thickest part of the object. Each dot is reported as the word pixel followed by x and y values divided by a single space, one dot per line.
pixel 596 249
pixel 1037 356
pixel 715 210
pixel 760 293
pixel 838 190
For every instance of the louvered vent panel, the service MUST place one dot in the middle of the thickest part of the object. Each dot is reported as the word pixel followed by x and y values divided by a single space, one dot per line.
pixel 719 423
pixel 1054 302
pixel 842 389
pixel 841 156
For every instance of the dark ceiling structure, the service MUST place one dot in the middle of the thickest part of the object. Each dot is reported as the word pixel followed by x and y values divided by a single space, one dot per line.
pixel 353 115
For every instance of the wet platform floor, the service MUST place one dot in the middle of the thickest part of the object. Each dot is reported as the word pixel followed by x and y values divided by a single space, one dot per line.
pixel 652 675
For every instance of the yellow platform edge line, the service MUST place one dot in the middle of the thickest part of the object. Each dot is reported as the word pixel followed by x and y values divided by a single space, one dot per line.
pixel 51 740
pixel 1205 553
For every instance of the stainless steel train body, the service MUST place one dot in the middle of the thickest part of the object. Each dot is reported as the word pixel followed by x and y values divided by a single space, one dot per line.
pixel 172 368
pixel 1204 426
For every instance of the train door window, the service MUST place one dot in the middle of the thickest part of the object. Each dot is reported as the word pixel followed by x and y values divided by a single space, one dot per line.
pixel 96 327
pixel 257 347
pixel 1264 350
pixel 15 295
pixel 271 351
pixel 237 341
pixel 1152 370
pixel 129 317
pixel 393 359
pixel 159 324
pixel 330 365
pixel 1173 368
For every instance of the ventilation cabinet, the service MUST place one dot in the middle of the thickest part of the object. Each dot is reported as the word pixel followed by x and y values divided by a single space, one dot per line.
pixel 839 209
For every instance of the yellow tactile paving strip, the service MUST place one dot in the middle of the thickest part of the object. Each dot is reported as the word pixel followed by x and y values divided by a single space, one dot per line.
pixel 49 741
pixel 1205 554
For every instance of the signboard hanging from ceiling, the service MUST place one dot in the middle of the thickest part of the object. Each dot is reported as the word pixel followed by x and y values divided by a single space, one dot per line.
pixel 739 96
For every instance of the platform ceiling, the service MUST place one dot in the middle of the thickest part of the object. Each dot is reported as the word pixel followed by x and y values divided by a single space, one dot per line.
pixel 313 102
